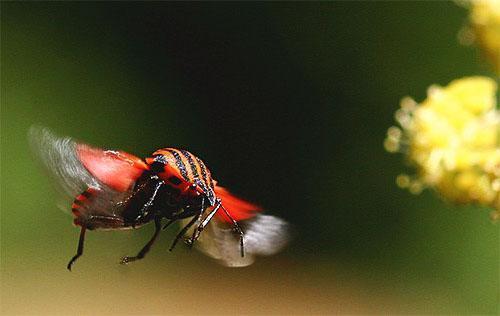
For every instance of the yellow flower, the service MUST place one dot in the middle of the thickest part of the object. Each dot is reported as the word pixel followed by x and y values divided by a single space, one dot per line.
pixel 452 138
pixel 484 20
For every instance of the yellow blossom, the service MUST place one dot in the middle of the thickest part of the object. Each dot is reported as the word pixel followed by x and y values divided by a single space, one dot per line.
pixel 484 20
pixel 452 138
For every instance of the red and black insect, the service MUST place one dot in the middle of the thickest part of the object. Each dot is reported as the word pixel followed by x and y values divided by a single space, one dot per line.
pixel 115 190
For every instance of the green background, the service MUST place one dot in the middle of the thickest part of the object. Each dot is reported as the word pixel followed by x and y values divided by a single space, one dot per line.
pixel 288 104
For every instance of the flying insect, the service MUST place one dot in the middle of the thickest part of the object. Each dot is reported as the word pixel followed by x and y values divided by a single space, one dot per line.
pixel 115 190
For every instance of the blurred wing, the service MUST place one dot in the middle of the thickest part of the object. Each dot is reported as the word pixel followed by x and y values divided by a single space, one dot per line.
pixel 60 158
pixel 76 167
pixel 264 235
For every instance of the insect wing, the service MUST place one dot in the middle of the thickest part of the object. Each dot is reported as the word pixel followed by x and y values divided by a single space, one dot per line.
pixel 239 209
pixel 264 235
pixel 60 158
pixel 76 167
pixel 116 169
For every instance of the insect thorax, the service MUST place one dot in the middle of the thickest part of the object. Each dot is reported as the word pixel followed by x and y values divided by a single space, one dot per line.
pixel 180 168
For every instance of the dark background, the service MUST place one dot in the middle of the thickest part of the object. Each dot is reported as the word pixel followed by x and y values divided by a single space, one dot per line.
pixel 288 104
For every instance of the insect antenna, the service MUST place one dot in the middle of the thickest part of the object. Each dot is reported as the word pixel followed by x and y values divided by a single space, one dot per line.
pixel 209 217
pixel 236 228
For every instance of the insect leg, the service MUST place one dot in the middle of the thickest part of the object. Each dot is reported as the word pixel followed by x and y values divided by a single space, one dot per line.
pixel 205 222
pixel 144 211
pixel 170 221
pixel 191 240
pixel 184 230
pixel 79 252
pixel 146 248
pixel 237 229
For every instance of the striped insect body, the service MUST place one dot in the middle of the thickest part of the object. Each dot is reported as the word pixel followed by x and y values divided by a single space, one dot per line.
pixel 114 190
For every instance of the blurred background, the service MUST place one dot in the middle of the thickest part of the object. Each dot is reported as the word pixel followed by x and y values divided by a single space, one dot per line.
pixel 288 104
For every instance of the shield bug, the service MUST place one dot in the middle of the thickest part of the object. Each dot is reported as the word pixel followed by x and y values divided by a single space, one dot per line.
pixel 114 190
